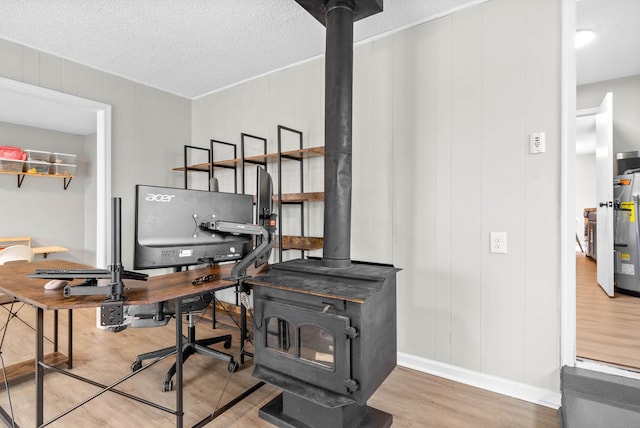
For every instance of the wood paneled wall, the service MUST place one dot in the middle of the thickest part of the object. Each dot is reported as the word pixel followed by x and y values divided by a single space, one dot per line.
pixel 442 117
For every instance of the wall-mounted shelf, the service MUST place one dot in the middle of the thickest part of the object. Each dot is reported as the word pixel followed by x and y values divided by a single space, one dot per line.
pixel 301 199
pixel 310 152
pixel 21 175
pixel 300 243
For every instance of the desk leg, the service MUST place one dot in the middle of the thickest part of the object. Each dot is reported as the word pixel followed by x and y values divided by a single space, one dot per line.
pixel 39 368
pixel 55 330
pixel 243 331
pixel 179 361
pixel 70 340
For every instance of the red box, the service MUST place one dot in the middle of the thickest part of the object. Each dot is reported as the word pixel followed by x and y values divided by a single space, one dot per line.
pixel 11 152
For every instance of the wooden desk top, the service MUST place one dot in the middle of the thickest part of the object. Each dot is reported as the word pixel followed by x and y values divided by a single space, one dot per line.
pixel 14 282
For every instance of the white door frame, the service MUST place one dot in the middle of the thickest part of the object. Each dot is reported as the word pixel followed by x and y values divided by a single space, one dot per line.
pixel 567 187
pixel 103 156
pixel 567 202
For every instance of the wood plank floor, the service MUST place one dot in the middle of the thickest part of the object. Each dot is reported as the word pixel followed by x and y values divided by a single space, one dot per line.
pixel 413 398
pixel 608 328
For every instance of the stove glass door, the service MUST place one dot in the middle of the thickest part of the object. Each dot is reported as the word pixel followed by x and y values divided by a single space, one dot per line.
pixel 307 344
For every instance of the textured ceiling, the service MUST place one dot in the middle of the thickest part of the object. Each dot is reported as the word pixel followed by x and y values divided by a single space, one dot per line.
pixel 190 47
pixel 193 47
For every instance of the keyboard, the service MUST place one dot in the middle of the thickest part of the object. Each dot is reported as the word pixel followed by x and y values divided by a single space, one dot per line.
pixel 84 273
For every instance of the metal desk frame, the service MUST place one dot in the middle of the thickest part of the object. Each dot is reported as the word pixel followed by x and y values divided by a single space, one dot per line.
pixel 174 286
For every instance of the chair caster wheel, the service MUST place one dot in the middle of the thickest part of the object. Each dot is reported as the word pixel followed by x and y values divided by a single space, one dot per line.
pixel 137 365
pixel 227 344
pixel 232 367
pixel 167 385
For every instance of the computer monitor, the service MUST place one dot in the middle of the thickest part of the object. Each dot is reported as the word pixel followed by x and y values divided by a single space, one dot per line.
pixel 168 232
pixel 264 206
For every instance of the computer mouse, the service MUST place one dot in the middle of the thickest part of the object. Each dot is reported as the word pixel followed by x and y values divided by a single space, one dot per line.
pixel 55 284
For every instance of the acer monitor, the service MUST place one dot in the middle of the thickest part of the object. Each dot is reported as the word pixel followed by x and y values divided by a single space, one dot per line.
pixel 168 232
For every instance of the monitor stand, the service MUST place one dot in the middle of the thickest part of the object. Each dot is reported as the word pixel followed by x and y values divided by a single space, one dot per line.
pixel 112 309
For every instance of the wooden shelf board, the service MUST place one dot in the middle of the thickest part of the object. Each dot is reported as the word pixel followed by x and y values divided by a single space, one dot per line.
pixel 29 174
pixel 310 152
pixel 204 167
pixel 301 197
pixel 25 370
pixel 306 243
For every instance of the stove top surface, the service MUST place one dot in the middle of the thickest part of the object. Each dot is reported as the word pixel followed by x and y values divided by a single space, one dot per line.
pixel 355 283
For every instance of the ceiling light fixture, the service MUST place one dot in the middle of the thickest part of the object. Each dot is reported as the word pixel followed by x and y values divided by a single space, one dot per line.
pixel 584 37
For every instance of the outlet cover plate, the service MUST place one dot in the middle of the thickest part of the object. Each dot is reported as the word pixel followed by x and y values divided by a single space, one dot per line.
pixel 499 242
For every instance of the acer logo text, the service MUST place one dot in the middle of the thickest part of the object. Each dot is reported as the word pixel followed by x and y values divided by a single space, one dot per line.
pixel 159 197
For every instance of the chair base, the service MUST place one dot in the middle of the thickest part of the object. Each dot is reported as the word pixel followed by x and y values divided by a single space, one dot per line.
pixel 189 347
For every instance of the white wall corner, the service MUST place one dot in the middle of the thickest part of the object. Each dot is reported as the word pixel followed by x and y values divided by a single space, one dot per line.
pixel 495 384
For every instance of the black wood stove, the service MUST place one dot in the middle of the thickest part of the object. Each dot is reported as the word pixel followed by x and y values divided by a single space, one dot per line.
pixel 327 338
pixel 325 329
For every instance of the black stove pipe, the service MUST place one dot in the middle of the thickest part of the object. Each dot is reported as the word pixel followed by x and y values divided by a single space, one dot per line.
pixel 338 133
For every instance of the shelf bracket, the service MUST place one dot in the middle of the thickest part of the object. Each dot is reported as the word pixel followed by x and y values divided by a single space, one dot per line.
pixel 20 180
pixel 67 181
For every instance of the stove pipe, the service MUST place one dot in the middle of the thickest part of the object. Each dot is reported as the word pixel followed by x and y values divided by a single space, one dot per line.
pixel 338 132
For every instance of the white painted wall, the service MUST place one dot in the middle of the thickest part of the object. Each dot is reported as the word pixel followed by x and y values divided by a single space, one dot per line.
pixel 585 188
pixel 442 114
pixel 149 127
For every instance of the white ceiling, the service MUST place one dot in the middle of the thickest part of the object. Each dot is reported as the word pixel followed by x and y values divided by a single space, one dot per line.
pixel 194 47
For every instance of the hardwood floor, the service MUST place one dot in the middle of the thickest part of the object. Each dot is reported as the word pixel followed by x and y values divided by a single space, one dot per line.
pixel 608 328
pixel 415 399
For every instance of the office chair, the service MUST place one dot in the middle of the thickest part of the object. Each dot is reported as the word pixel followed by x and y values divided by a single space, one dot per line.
pixel 16 253
pixel 159 314
pixel 13 254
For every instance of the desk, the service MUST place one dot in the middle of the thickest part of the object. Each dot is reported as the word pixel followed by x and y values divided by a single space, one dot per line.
pixel 174 286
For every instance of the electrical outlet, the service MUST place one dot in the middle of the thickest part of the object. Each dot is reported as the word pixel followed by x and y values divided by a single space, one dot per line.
pixel 499 242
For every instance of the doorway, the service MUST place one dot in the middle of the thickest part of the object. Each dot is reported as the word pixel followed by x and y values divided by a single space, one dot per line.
pixel 574 66
pixel 607 323
pixel 40 107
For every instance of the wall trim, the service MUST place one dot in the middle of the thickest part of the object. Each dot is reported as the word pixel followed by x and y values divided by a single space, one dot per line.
pixel 491 383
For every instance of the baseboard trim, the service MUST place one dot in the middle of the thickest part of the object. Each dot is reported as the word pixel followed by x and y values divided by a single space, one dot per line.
pixel 496 384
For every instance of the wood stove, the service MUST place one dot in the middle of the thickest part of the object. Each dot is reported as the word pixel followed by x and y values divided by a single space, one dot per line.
pixel 325 330
pixel 327 338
